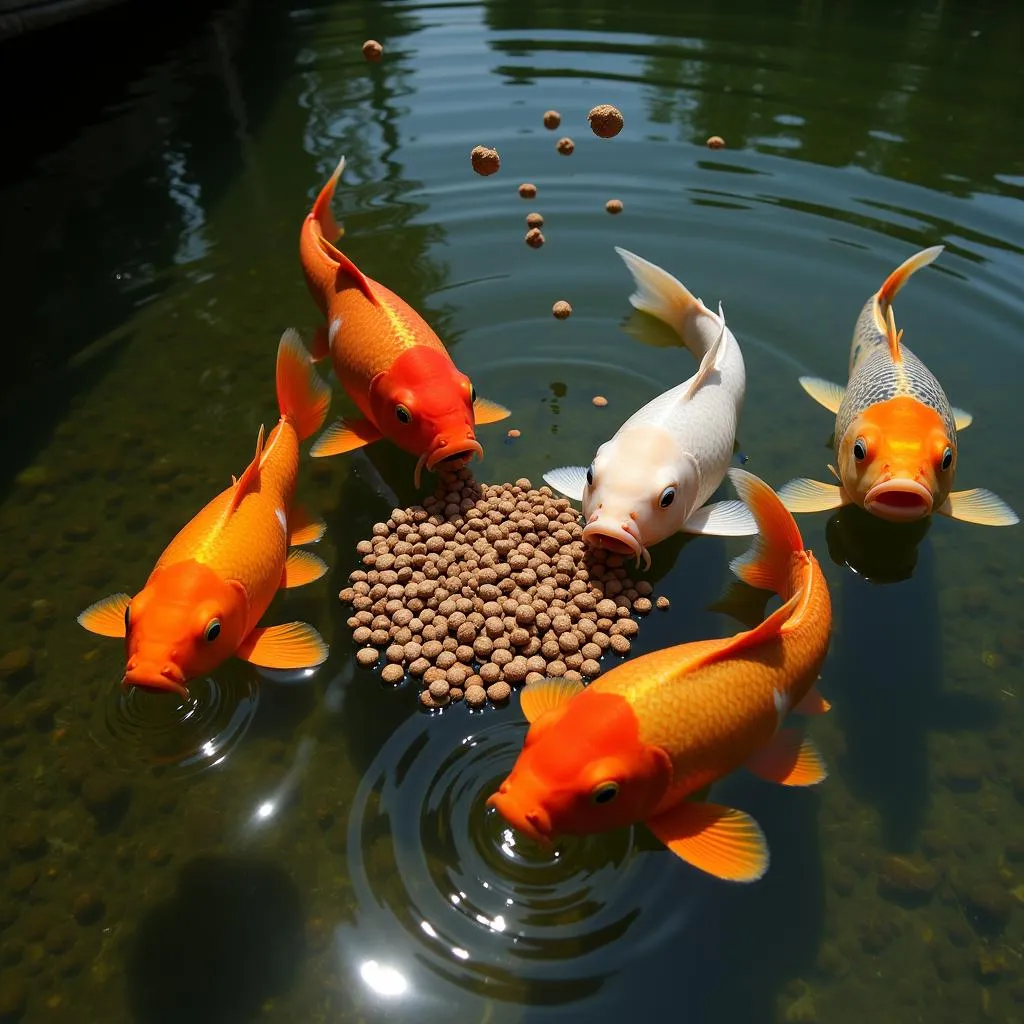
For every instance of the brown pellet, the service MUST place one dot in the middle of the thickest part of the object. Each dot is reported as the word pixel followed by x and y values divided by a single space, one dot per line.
pixel 534 238
pixel 372 50
pixel 534 220
pixel 367 656
pixel 716 142
pixel 439 690
pixel 485 161
pixel 613 206
pixel 590 668
pixel 393 674
pixel 499 692
pixel 599 400
pixel 662 602
pixel 527 190
pixel 605 121
pixel 619 644
pixel 552 119
pixel 561 310
pixel 476 696
pixel 427 701
pixel 513 433
pixel 565 146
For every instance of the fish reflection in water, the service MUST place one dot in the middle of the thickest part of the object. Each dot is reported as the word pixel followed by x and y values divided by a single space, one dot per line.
pixel 874 548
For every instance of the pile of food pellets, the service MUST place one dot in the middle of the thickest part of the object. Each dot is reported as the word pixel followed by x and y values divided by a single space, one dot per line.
pixel 488 586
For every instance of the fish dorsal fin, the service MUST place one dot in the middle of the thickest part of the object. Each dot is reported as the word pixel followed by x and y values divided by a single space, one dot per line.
pixel 250 477
pixel 893 336
pixel 536 698
pixel 761 633
pixel 348 268
pixel 707 364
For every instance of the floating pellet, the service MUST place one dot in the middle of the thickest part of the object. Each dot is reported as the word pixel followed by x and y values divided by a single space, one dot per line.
pixel 372 50
pixel 393 674
pixel 599 400
pixel 561 310
pixel 565 146
pixel 552 119
pixel 476 696
pixel 485 161
pixel 613 206
pixel 605 121
pixel 716 142
pixel 527 190
pixel 535 220
pixel 367 656
pixel 534 238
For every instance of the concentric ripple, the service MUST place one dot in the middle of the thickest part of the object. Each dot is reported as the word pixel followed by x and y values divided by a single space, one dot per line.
pixel 189 734
pixel 443 882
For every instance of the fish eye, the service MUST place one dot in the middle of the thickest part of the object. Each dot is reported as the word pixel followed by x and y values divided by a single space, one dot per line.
pixel 127 616
pixel 212 630
pixel 947 458
pixel 860 449
pixel 403 414
pixel 667 497
pixel 605 792
pixel 590 474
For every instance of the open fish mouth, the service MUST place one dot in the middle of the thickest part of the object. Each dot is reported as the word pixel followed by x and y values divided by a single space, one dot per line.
pixel 601 533
pixel 899 500
pixel 446 454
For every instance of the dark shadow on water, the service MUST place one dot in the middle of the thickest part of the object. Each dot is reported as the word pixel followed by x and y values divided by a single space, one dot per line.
pixel 231 937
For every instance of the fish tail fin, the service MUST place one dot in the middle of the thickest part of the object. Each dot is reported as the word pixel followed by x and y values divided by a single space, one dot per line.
pixel 322 207
pixel 898 278
pixel 667 298
pixel 302 395
pixel 768 561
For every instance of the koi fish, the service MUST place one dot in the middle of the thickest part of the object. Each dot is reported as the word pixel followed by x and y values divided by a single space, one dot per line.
pixel 213 582
pixel 393 366
pixel 653 477
pixel 896 433
pixel 641 743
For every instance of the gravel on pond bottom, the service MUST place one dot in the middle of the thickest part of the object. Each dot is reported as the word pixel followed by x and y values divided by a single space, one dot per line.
pixel 487 586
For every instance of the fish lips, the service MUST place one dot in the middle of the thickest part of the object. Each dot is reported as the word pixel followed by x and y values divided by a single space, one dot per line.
pixel 605 533
pixel 532 824
pixel 148 676
pixel 450 450
pixel 899 500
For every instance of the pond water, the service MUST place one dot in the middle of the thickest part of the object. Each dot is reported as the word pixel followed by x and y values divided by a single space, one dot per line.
pixel 318 850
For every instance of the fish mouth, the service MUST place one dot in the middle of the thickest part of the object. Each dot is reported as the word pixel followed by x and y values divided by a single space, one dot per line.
pixel 532 824
pixel 600 533
pixel 448 453
pixel 899 500
pixel 169 678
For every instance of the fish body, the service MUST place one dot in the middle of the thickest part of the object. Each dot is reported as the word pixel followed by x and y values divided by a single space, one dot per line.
pixel 654 477
pixel 209 588
pixel 896 432
pixel 390 362
pixel 637 744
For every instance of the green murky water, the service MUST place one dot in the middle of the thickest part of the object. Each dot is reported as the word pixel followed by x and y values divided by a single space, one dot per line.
pixel 318 851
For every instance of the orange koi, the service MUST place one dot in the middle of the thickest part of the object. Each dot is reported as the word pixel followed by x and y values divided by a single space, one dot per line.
pixel 393 366
pixel 640 743
pixel 896 433
pixel 213 582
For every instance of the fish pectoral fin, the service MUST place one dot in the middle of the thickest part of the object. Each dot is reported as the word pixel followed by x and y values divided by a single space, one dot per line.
pixel 321 348
pixel 304 528
pixel 824 392
pixel 568 480
pixel 536 698
pixel 720 840
pixel 962 419
pixel 812 703
pixel 789 758
pixel 302 567
pixel 722 519
pixel 979 506
pixel 344 436
pixel 485 411
pixel 106 617
pixel 250 478
pixel 290 645
pixel 803 495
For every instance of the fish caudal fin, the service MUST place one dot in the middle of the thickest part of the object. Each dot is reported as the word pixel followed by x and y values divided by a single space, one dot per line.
pixel 302 395
pixel 790 759
pixel 567 480
pixel 722 841
pixel 106 617
pixel 290 645
pixel 767 563
pixel 322 207
pixel 979 506
pixel 898 278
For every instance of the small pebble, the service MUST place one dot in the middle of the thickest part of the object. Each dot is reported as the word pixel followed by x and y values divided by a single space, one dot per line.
pixel 392 674
pixel 367 656
pixel 372 50
pixel 534 238
pixel 552 119
pixel 599 400
pixel 561 310
pixel 605 121
pixel 613 206
pixel 476 696
pixel 565 146
pixel 534 220
pixel 514 433
pixel 716 142
pixel 527 190
pixel 485 161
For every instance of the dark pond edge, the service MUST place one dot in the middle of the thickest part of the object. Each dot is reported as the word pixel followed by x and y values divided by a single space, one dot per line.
pixel 32 15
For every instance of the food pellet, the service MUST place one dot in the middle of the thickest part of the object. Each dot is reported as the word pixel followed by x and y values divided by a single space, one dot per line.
pixel 565 146
pixel 613 206
pixel 716 142
pixel 605 121
pixel 561 309
pixel 372 50
pixel 552 119
pixel 527 190
pixel 485 587
pixel 535 220
pixel 485 161
pixel 513 433
pixel 534 238
pixel 662 602
pixel 599 400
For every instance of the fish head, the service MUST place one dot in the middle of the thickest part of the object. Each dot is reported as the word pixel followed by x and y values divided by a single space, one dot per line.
pixel 898 460
pixel 640 488
pixel 584 769
pixel 424 403
pixel 183 624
